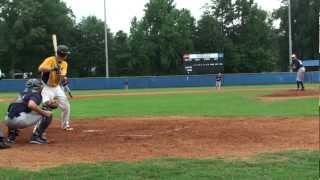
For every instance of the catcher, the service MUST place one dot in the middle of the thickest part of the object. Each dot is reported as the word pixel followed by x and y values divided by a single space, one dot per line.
pixel 26 112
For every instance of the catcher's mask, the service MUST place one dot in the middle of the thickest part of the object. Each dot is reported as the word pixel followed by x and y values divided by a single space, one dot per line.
pixel 33 85
pixel 63 51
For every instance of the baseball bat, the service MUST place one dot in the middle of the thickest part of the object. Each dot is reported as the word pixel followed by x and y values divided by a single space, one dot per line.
pixel 55 43
pixel 55 48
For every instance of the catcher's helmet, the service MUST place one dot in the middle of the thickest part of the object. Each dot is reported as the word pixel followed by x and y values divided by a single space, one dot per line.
pixel 63 50
pixel 33 85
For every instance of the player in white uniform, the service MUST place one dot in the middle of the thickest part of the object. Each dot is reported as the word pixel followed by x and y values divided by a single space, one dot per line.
pixel 54 71
pixel 218 81
pixel 297 66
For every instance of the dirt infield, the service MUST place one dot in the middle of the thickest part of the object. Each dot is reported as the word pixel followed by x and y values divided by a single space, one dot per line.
pixel 135 139
pixel 291 94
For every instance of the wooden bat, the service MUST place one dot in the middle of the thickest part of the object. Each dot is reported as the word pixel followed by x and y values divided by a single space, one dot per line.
pixel 55 43
pixel 55 47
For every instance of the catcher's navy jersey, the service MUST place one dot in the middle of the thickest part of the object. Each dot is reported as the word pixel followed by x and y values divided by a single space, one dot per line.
pixel 18 107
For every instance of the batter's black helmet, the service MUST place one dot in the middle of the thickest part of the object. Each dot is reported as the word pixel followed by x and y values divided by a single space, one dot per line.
pixel 33 85
pixel 63 50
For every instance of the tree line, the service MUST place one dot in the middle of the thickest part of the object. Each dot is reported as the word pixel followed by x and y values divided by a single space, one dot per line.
pixel 156 43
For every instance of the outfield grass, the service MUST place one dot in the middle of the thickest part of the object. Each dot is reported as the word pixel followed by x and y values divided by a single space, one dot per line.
pixel 229 102
pixel 232 101
pixel 294 165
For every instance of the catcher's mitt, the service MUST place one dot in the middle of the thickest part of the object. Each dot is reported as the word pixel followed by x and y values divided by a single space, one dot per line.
pixel 50 105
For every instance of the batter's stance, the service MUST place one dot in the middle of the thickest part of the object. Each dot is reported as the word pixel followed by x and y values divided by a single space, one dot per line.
pixel 54 71
pixel 300 69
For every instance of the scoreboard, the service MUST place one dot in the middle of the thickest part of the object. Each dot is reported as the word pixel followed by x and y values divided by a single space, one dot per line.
pixel 208 63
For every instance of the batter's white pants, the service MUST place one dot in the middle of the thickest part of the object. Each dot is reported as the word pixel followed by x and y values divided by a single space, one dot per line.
pixel 49 93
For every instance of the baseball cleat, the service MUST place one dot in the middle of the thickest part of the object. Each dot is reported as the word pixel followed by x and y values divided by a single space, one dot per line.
pixel 68 129
pixel 13 133
pixel 38 140
pixel 10 141
pixel 3 145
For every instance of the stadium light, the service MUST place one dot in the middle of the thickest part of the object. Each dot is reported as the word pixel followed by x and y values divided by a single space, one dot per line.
pixel 106 38
pixel 290 34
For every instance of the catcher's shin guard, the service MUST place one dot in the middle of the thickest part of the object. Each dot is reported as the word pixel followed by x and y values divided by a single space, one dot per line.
pixel 42 126
pixel 12 134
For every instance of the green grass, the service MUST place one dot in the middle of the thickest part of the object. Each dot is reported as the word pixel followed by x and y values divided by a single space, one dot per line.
pixel 232 101
pixel 293 165
pixel 222 104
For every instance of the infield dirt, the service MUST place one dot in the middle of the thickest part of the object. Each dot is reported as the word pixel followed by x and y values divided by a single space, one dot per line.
pixel 136 139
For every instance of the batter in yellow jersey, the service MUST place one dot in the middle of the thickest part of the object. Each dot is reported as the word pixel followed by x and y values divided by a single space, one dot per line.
pixel 54 71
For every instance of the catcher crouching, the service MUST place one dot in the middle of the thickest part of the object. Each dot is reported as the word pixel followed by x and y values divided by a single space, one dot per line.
pixel 26 111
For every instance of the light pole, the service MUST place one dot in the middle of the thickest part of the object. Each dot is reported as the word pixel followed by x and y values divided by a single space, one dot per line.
pixel 106 38
pixel 290 34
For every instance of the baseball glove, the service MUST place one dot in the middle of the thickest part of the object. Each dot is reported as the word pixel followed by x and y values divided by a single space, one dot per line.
pixel 50 105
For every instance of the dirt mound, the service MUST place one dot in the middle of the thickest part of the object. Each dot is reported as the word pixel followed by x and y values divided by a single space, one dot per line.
pixel 134 139
pixel 294 93
pixel 291 94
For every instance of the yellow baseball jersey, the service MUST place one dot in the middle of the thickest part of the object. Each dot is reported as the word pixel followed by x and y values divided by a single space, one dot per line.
pixel 52 78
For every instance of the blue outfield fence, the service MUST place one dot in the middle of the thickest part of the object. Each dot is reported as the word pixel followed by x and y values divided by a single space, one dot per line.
pixel 172 81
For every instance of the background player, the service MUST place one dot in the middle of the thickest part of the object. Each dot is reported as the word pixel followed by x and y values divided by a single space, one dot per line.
pixel 54 71
pixel 25 112
pixel 300 69
pixel 218 81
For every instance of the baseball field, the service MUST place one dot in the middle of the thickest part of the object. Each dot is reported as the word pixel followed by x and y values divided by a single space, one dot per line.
pixel 251 132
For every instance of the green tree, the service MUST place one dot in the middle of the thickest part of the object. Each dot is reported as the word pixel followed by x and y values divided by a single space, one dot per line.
pixel 139 63
pixel 27 27
pixel 89 59
pixel 209 36
pixel 244 34
pixel 305 29
pixel 121 55
pixel 164 34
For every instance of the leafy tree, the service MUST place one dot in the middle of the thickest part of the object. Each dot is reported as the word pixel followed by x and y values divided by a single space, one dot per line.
pixel 163 35
pixel 209 36
pixel 89 59
pixel 139 63
pixel 305 29
pixel 121 56
pixel 244 34
pixel 27 27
